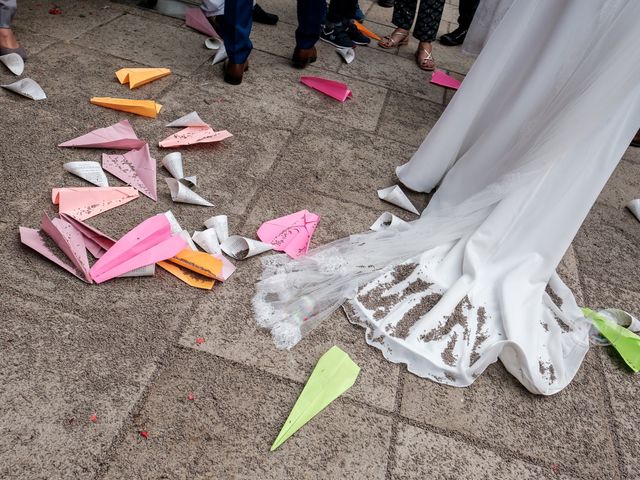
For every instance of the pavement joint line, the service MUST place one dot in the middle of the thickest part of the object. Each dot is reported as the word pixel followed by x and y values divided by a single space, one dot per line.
pixel 393 441
pixel 385 103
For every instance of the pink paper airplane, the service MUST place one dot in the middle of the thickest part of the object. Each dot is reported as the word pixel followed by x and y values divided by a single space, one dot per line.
pixel 118 137
pixel 197 20
pixel 86 202
pixel 290 234
pixel 148 243
pixel 95 241
pixel 193 135
pixel 136 168
pixel 440 78
pixel 68 240
pixel 337 90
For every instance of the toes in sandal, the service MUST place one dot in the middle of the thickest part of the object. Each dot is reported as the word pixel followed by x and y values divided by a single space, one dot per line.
pixel 397 39
pixel 425 60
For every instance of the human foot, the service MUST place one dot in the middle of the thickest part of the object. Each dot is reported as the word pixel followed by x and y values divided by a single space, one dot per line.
pixel 398 37
pixel 9 44
pixel 424 59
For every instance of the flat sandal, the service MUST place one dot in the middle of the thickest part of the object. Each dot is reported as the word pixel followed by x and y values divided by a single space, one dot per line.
pixel 390 40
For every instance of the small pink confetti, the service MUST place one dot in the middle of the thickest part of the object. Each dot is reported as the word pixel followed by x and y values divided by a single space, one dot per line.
pixel 554 468
pixel 55 11
pixel 93 418
pixel 200 340
pixel 191 396
pixel 144 433
pixel 72 419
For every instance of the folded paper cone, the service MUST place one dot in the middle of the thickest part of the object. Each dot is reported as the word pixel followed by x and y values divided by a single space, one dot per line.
pixel 634 206
pixel 27 88
pixel 146 271
pixel 347 54
pixel 173 164
pixel 397 197
pixel 213 43
pixel 220 223
pixel 388 220
pixel 183 194
pixel 207 240
pixel 90 171
pixel 13 62
pixel 241 248
pixel 220 56
pixel 189 120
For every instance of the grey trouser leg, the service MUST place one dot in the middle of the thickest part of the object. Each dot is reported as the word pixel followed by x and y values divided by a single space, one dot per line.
pixel 7 11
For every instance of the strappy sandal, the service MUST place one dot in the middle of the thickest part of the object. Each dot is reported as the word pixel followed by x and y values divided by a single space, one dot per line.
pixel 424 59
pixel 398 38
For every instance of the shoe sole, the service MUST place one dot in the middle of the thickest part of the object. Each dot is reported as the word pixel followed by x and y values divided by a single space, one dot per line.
pixel 362 44
pixel 336 45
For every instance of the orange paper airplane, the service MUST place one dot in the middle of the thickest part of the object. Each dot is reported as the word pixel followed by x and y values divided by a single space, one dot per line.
pixel 136 77
pixel 198 269
pixel 365 31
pixel 146 108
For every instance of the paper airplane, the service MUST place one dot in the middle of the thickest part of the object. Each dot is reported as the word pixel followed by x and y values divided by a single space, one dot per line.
pixel 634 207
pixel 194 135
pixel 27 88
pixel 145 108
pixel 333 89
pixel 13 62
pixel 136 77
pixel 187 238
pixel 347 54
pixel 197 20
pixel 96 242
pixel 200 263
pixel 290 234
pixel 135 168
pixel 175 226
pixel 119 136
pixel 66 238
pixel 90 171
pixel 214 43
pixel 146 271
pixel 183 194
pixel 220 56
pixel 187 276
pixel 189 120
pixel 220 223
pixel 334 374
pixel 86 202
pixel 173 164
pixel 622 339
pixel 241 248
pixel 227 268
pixel 438 77
pixel 396 196
pixel 388 220
pixel 150 242
pixel 207 240
pixel 366 32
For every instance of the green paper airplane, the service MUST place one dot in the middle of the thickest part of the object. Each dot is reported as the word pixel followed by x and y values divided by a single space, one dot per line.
pixel 623 340
pixel 334 374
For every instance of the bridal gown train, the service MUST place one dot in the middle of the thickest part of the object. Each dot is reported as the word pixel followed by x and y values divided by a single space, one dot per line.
pixel 519 157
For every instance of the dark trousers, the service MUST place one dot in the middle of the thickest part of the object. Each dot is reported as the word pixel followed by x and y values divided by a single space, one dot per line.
pixel 341 9
pixel 429 16
pixel 7 11
pixel 238 18
pixel 467 9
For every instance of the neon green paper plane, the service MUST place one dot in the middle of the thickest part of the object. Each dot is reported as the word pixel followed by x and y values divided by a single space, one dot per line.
pixel 623 340
pixel 334 374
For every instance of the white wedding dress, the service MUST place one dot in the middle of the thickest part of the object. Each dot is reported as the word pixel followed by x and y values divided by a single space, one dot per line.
pixel 520 156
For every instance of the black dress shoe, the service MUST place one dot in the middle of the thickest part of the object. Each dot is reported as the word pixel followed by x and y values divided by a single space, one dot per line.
pixel 304 56
pixel 386 3
pixel 233 72
pixel 260 16
pixel 454 38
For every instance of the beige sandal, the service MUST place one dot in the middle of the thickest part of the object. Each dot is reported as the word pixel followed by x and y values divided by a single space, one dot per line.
pixel 424 59
pixel 398 38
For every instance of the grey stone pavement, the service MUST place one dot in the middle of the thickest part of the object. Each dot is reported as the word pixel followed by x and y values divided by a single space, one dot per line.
pixel 126 351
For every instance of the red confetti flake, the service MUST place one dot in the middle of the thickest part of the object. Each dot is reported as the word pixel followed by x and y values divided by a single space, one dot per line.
pixel 93 418
pixel 554 468
pixel 72 419
pixel 200 340
pixel 191 396
pixel 55 11
pixel 144 433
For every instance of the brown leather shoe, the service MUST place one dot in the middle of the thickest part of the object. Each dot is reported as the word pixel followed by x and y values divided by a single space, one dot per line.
pixel 636 140
pixel 304 56
pixel 233 72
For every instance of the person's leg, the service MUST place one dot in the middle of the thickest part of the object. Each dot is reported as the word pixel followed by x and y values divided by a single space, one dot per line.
pixel 310 16
pixel 8 42
pixel 236 29
pixel 467 10
pixel 336 29
pixel 429 16
pixel 7 11
pixel 404 12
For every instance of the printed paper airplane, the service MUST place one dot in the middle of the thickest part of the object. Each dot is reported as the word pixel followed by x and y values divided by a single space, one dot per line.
pixel 86 202
pixel 13 62
pixel 438 77
pixel 194 135
pixel 135 168
pixel 290 234
pixel 145 108
pixel 136 77
pixel 119 136
pixel 183 194
pixel 189 120
pixel 27 88
pixel 96 242
pixel 90 171
pixel 150 242
pixel 396 196
pixel 334 374
pixel 333 89
pixel 197 20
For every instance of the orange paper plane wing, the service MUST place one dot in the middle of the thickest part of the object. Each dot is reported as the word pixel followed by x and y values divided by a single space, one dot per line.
pixel 365 31
pixel 146 108
pixel 137 77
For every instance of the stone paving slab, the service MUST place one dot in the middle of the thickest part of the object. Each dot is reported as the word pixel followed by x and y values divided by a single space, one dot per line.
pixel 227 430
